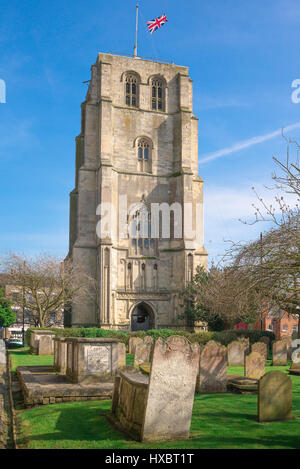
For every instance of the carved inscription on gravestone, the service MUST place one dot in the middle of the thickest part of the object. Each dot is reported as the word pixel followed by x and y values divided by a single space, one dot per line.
pixel 97 359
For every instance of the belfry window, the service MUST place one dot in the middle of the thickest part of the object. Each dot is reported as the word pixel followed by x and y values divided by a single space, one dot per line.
pixel 144 156
pixel 157 95
pixel 131 90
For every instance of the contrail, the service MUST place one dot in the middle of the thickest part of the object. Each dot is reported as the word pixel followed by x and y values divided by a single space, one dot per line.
pixel 247 143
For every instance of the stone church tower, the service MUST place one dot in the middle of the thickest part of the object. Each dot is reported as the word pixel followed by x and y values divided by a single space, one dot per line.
pixel 136 213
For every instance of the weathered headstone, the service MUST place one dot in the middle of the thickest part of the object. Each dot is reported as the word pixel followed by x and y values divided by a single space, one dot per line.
pixel 254 365
pixel 260 347
pixel 279 353
pixel 295 365
pixel 132 343
pixel 159 407
pixel 274 397
pixel 288 339
pixel 148 340
pixel 212 368
pixel 236 351
pixel 60 354
pixel 45 346
pixel 142 353
pixel 35 336
pixel 121 354
pixel 91 360
pixel 265 340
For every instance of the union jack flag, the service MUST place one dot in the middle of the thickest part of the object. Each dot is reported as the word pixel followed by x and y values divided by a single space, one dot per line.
pixel 153 25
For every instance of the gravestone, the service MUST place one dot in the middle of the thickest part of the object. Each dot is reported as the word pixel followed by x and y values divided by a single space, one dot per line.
pixel 288 339
pixel 260 347
pixel 35 336
pixel 60 354
pixel 121 354
pixel 142 353
pixel 45 345
pixel 274 397
pixel 158 407
pixel 148 340
pixel 91 360
pixel 212 369
pixel 132 343
pixel 236 352
pixel 265 340
pixel 279 353
pixel 295 365
pixel 254 365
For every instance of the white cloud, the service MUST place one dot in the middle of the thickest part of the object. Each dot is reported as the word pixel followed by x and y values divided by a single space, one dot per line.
pixel 246 144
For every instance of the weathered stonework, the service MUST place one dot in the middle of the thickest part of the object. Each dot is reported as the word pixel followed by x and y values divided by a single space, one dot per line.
pixel 275 395
pixel 137 277
pixel 121 354
pixel 236 351
pixel 158 407
pixel 35 336
pixel 142 353
pixel 260 347
pixel 133 341
pixel 279 353
pixel 212 369
pixel 91 360
pixel 254 365
pixel 60 354
pixel 45 345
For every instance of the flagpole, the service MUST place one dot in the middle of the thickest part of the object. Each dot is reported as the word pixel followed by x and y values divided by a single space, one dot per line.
pixel 136 31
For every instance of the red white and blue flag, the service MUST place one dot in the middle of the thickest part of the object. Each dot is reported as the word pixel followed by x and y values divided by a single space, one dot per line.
pixel 153 25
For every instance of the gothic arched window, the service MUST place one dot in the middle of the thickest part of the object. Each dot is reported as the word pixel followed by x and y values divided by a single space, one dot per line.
pixel 157 94
pixel 131 90
pixel 144 156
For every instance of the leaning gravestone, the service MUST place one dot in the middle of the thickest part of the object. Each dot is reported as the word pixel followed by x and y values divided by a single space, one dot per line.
pixel 212 369
pixel 274 397
pixel 254 365
pixel 121 354
pixel 279 353
pixel 158 407
pixel 236 351
pixel 142 353
pixel 132 343
pixel 45 345
pixel 260 347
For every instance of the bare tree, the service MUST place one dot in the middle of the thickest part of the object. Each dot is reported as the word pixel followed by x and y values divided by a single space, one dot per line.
pixel 46 284
pixel 271 264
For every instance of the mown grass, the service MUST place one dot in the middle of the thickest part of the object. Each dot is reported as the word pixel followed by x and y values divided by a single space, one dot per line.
pixel 218 421
pixel 22 357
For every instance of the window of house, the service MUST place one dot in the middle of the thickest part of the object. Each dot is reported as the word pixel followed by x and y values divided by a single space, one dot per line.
pixel 284 328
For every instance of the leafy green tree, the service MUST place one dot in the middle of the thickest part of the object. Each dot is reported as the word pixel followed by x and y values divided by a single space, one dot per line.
pixel 7 315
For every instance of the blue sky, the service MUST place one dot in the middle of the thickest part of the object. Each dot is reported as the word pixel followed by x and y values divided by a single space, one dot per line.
pixel 243 57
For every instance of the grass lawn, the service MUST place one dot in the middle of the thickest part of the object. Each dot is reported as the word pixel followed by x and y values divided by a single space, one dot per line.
pixel 22 357
pixel 219 421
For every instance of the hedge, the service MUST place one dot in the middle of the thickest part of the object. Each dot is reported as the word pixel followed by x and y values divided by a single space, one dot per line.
pixel 224 337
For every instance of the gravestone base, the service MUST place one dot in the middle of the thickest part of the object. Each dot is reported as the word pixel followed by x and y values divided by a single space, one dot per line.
pixel 40 385
pixel 242 385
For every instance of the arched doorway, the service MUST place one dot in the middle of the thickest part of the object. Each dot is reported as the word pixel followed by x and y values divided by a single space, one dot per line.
pixel 142 318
